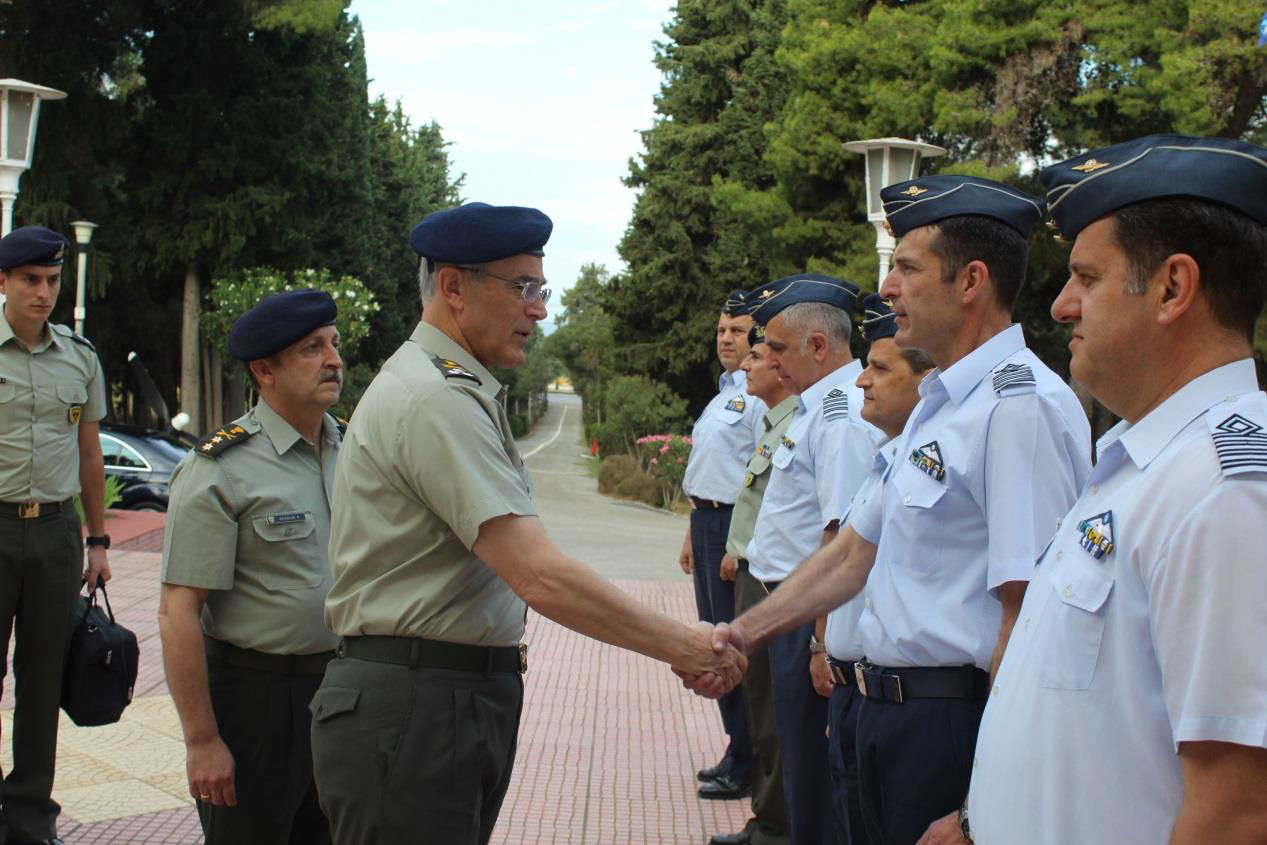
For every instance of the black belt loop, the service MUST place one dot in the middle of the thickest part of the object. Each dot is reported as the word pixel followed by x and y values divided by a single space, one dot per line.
pixel 842 671
pixel 414 655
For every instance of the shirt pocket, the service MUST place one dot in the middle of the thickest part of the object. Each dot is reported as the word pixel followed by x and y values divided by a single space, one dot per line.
pixel 68 403
pixel 8 392
pixel 1073 624
pixel 782 458
pixel 917 494
pixel 288 555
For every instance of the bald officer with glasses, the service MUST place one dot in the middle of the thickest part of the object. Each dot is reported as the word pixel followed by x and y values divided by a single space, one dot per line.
pixel 437 553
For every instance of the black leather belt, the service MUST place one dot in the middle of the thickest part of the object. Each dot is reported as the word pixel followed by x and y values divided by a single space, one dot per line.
pixel 902 684
pixel 281 664
pixel 842 671
pixel 434 654
pixel 32 510
pixel 709 503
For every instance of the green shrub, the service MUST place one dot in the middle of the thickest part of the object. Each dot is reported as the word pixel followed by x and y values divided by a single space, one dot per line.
pixel 114 492
pixel 518 425
pixel 621 475
pixel 636 406
pixel 664 457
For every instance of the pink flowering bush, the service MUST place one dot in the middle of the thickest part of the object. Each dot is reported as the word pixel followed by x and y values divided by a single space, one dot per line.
pixel 663 457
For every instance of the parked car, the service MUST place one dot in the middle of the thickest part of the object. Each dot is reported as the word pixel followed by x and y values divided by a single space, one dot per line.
pixel 142 459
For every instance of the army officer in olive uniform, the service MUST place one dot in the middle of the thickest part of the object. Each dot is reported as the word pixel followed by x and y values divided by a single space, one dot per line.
pixel 52 395
pixel 437 549
pixel 245 576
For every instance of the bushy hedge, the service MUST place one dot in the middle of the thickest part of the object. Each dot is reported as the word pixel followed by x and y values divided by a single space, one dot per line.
pixel 622 475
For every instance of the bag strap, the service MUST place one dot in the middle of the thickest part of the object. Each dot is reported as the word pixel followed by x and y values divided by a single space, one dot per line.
pixel 92 599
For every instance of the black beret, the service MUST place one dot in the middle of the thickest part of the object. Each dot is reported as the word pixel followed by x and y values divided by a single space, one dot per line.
pixel 878 319
pixel 735 305
pixel 919 202
pixel 772 298
pixel 477 232
pixel 1217 170
pixel 756 335
pixel 32 245
pixel 278 320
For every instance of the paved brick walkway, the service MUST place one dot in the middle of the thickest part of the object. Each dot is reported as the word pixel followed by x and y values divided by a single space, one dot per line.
pixel 608 748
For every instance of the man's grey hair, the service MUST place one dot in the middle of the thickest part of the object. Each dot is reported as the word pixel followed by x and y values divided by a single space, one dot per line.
pixel 427 278
pixel 804 318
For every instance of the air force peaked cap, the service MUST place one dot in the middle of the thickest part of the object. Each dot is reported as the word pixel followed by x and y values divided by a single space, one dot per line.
pixel 478 232
pixel 1223 171
pixel 278 320
pixel 919 202
pixel 773 297
pixel 32 245
pixel 878 319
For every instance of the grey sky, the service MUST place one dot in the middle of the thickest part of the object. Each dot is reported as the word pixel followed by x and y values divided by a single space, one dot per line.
pixel 542 103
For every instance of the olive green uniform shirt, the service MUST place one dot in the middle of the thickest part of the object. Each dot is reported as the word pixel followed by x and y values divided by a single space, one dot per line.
pixel 252 525
pixel 44 394
pixel 744 516
pixel 428 458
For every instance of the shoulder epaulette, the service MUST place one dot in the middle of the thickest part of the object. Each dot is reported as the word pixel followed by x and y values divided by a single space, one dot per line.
pixel 1018 378
pixel 65 331
pixel 1240 436
pixel 222 438
pixel 835 404
pixel 452 369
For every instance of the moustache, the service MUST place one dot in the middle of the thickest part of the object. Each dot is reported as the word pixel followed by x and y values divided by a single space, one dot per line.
pixel 336 377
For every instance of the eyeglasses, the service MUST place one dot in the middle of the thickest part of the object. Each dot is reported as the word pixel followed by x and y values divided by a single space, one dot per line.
pixel 530 291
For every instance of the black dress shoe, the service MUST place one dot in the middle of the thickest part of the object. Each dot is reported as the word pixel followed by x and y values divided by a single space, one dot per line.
pixel 740 838
pixel 713 772
pixel 726 788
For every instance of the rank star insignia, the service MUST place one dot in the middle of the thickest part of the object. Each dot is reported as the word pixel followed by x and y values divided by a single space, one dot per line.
pixel 1091 165
pixel 736 404
pixel 1097 534
pixel 914 191
pixel 927 459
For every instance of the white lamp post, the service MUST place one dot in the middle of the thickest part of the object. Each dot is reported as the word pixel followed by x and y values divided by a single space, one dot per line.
pixel 83 235
pixel 19 113
pixel 889 160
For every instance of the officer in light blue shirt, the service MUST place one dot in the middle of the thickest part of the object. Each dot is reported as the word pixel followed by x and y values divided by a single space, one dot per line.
pixel 1132 703
pixel 721 443
pixel 991 457
pixel 890 391
pixel 819 464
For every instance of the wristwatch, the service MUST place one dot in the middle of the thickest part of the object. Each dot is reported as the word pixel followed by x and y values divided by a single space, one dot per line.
pixel 815 647
pixel 963 824
pixel 103 541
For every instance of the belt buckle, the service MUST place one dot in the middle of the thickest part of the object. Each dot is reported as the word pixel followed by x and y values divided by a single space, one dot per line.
pixel 897 680
pixel 860 678
pixel 523 658
pixel 28 510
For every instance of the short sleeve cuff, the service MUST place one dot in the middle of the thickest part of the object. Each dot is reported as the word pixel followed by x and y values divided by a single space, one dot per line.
pixel 1212 728
pixel 468 531
pixel 1012 569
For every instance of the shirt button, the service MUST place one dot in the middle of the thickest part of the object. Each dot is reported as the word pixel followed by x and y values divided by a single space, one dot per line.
pixel 1067 591
pixel 996 689
pixel 1027 621
pixel 974 762
pixel 1059 555
pixel 1095 488
pixel 907 500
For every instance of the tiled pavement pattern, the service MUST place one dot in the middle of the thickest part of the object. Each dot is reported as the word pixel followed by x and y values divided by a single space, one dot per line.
pixel 609 743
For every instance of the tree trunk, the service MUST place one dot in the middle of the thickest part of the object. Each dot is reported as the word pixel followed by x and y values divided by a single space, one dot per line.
pixel 190 349
pixel 215 387
pixel 235 394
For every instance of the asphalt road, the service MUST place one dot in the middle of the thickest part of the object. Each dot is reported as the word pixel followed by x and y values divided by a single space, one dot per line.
pixel 619 539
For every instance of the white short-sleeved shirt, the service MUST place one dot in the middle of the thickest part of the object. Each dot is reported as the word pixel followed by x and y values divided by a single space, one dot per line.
pixel 1142 628
pixel 820 463
pixel 991 457
pixel 722 441
pixel 841 636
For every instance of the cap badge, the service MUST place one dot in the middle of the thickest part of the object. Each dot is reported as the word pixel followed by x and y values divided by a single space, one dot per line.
pixel 57 256
pixel 765 294
pixel 914 191
pixel 1091 165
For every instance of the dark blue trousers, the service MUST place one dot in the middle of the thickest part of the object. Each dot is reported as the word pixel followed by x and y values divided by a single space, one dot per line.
pixel 715 600
pixel 842 762
pixel 800 718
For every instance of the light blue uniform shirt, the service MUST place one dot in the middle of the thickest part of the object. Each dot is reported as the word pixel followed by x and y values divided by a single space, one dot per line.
pixel 842 637
pixel 1142 628
pixel 991 457
pixel 820 463
pixel 722 441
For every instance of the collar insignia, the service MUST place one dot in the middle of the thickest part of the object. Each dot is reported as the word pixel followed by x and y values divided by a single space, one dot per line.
pixel 927 459
pixel 1097 534
pixel 914 191
pixel 1091 165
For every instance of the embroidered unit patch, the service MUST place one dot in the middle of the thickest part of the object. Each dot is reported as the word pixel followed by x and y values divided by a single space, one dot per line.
pixel 452 369
pixel 1013 375
pixel 1241 444
pixel 736 404
pixel 835 404
pixel 1097 534
pixel 928 459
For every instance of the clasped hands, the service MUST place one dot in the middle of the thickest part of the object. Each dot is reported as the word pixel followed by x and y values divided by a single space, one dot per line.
pixel 718 665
